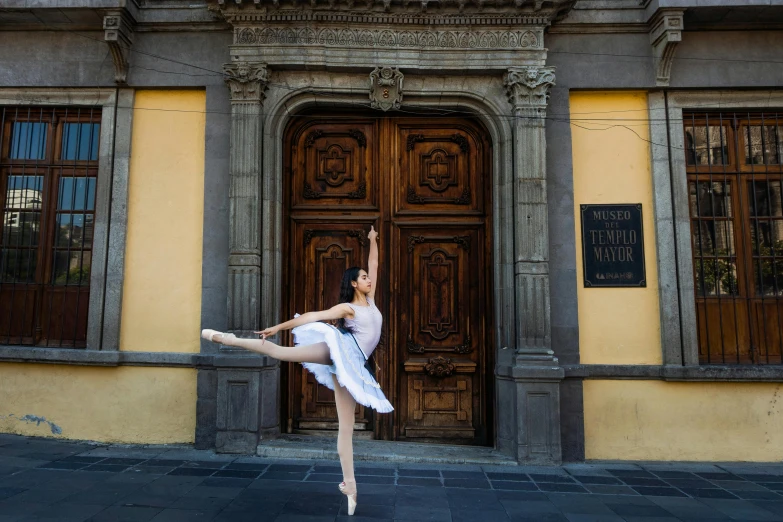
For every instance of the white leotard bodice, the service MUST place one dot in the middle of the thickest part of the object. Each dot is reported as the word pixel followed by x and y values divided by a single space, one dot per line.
pixel 366 326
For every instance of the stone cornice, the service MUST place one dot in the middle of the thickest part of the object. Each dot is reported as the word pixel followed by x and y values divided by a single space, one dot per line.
pixel 408 12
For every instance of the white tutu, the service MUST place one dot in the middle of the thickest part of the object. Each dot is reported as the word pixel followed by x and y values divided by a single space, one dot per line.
pixel 347 364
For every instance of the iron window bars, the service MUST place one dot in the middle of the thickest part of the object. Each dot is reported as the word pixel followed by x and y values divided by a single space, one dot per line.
pixel 48 178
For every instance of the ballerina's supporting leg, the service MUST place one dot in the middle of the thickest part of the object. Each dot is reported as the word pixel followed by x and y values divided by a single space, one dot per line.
pixel 311 353
pixel 346 406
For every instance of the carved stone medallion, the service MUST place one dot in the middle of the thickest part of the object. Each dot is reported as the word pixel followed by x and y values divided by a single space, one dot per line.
pixel 386 88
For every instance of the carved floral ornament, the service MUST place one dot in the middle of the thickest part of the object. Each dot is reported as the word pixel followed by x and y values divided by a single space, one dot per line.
pixel 247 80
pixel 528 87
pixel 439 366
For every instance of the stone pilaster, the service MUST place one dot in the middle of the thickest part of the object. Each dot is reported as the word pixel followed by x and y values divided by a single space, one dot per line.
pixel 247 82
pixel 532 385
pixel 246 400
pixel 527 89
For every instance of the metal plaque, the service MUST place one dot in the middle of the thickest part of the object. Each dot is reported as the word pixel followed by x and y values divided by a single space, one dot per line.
pixel 613 245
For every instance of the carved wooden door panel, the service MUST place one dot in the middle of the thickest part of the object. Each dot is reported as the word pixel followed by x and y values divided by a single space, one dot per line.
pixel 440 286
pixel 327 249
pixel 331 191
pixel 423 184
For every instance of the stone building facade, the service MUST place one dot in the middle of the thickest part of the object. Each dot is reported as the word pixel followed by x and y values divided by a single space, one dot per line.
pixel 552 368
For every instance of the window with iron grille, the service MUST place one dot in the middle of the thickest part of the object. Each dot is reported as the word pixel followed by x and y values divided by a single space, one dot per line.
pixel 48 178
pixel 735 185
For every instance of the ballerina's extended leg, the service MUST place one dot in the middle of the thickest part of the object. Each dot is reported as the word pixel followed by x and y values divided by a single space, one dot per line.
pixel 313 353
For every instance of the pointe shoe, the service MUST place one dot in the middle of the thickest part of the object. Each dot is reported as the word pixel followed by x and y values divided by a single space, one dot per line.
pixel 351 497
pixel 209 335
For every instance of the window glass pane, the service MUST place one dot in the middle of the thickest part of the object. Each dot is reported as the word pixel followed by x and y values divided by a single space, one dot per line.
pixel 28 141
pixel 710 199
pixel 24 192
pixel 763 145
pixel 80 141
pixel 713 238
pixel 767 237
pixel 716 276
pixel 22 215
pixel 706 145
pixel 76 194
pixel 71 268
pixel 17 265
pixel 74 230
pixel 765 198
pixel 768 275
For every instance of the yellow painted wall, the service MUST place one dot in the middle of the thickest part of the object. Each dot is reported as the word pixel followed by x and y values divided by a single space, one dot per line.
pixel 161 299
pixel 656 420
pixel 161 304
pixel 123 404
pixel 612 165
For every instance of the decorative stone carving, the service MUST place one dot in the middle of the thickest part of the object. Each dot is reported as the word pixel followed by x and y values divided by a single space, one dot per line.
pixel 247 80
pixel 665 33
pixel 118 34
pixel 528 89
pixel 386 88
pixel 385 38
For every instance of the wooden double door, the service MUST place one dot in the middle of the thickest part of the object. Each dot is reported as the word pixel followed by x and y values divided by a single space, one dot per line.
pixel 425 186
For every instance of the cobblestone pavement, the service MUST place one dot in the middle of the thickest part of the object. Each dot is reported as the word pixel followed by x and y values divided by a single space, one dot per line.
pixel 48 480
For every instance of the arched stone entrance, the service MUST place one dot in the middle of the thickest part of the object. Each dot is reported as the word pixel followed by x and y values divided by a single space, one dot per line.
pixel 273 77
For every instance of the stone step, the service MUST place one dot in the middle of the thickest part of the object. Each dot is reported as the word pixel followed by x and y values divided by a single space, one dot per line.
pixel 299 446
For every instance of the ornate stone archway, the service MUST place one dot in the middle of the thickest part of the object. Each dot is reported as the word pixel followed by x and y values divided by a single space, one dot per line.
pixel 486 58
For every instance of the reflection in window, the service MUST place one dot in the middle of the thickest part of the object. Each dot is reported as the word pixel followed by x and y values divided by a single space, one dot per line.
pixel 76 194
pixel 710 199
pixel 28 141
pixel 763 144
pixel 72 268
pixel 80 141
pixel 706 145
pixel 766 235
pixel 18 265
pixel 716 276
pixel 713 238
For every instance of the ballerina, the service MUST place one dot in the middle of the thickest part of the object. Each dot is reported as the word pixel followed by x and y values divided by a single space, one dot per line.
pixel 335 355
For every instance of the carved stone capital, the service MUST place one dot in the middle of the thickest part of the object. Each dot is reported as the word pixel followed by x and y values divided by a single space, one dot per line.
pixel 386 88
pixel 665 33
pixel 528 88
pixel 118 34
pixel 246 80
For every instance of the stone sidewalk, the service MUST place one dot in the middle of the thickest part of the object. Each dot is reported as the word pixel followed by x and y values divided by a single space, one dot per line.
pixel 50 480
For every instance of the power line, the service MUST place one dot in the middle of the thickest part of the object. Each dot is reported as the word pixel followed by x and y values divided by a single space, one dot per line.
pixel 607 123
